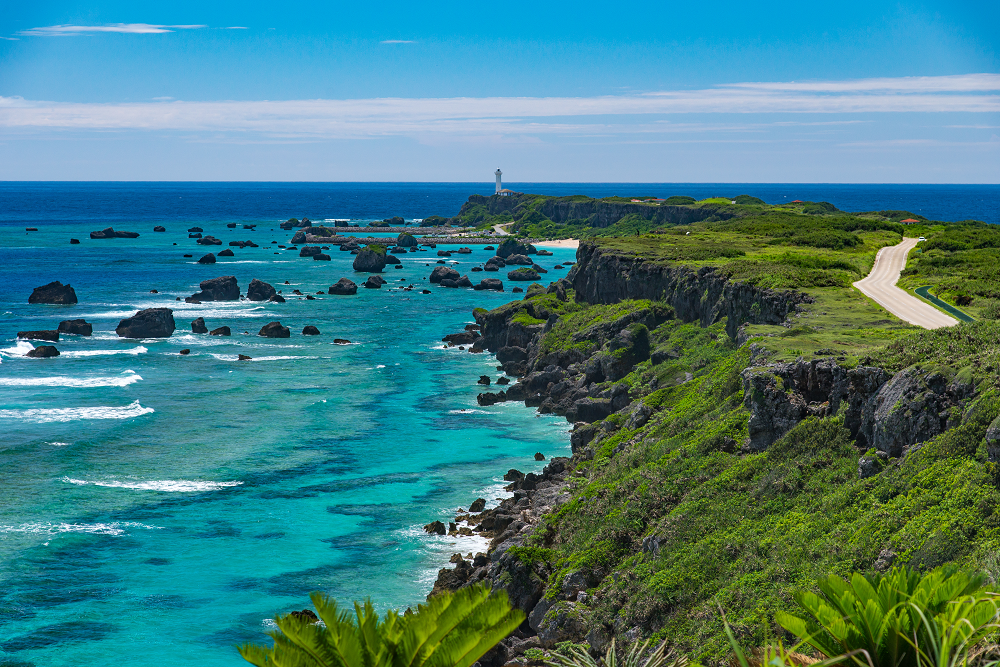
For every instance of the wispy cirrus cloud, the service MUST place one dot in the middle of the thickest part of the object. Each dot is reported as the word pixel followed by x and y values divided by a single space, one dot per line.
pixel 397 41
pixel 123 28
pixel 509 116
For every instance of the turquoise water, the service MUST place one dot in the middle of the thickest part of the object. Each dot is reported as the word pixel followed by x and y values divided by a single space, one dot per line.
pixel 156 509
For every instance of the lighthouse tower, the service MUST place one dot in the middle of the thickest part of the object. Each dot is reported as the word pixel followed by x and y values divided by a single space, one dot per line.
pixel 499 186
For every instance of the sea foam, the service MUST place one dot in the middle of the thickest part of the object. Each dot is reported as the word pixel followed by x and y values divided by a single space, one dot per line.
pixel 51 528
pixel 127 378
pixel 166 485
pixel 47 415
pixel 100 353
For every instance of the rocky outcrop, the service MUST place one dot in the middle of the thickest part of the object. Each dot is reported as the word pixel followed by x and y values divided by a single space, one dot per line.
pixel 43 352
pixel 198 326
pixel 148 323
pixel 704 295
pixel 406 241
pixel 78 327
pixel 887 413
pixel 226 253
pixel 110 233
pixel 523 274
pixel 50 335
pixel 374 282
pixel 494 284
pixel 260 291
pixel 514 247
pixel 221 331
pixel 159 228
pixel 343 287
pixel 518 260
pixel 207 259
pixel 371 259
pixel 443 272
pixel 310 251
pixel 274 330
pixel 224 288
pixel 310 330
pixel 54 293
pixel 209 240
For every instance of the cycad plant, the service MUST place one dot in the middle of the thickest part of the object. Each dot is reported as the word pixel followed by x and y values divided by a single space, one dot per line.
pixel 578 656
pixel 451 630
pixel 900 619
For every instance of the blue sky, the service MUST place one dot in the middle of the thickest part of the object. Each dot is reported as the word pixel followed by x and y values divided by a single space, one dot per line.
pixel 709 91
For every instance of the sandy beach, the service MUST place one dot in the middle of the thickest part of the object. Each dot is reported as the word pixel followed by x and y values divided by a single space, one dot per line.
pixel 561 243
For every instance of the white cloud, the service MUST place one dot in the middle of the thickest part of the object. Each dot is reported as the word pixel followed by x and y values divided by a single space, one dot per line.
pixel 507 116
pixel 398 41
pixel 125 28
pixel 11 39
pixel 236 27
pixel 907 84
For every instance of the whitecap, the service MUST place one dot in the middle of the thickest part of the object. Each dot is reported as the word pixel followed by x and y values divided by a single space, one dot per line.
pixel 58 444
pixel 166 485
pixel 101 353
pixel 468 411
pixel 20 349
pixel 127 378
pixel 47 415
pixel 51 528
pixel 233 357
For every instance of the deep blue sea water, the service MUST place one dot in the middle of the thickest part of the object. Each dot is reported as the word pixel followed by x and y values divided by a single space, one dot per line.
pixel 156 509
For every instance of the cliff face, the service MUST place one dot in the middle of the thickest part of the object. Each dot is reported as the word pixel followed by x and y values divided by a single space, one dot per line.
pixel 701 295
pixel 597 213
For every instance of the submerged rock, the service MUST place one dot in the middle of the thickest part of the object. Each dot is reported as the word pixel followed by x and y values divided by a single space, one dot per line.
pixel 110 233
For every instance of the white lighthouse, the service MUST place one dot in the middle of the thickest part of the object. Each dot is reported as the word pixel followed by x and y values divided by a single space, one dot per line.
pixel 499 185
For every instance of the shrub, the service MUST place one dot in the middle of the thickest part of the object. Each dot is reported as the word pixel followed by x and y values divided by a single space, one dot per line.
pixel 747 199
pixel 897 617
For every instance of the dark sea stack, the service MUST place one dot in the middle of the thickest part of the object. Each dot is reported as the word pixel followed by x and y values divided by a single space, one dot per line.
pixel 520 260
pixel 514 247
pixel 226 253
pixel 291 223
pixel 543 253
pixel 309 251
pixel 110 233
pixel 221 331
pixel 209 240
pixel 274 330
pixel 374 282
pixel 186 351
pixel 494 284
pixel 207 259
pixel 371 259
pixel 298 237
pixel 341 341
pixel 224 288
pixel 392 259
pixel 463 251
pixel 523 274
pixel 194 236
pixel 503 381
pixel 538 269
pixel 78 327
pixel 277 298
pixel 260 291
pixel 50 335
pixel 460 338
pixel 231 225
pixel 53 293
pixel 244 357
pixel 149 323
pixel 539 456
pixel 189 255
pixel 159 228
pixel 449 282
pixel 489 247
pixel 322 257
pixel 484 380
pixel 198 326
pixel 196 229
pixel 489 398
pixel 442 272
pixel 463 282
pixel 399 250
pixel 495 264
pixel 74 241
pixel 517 290
pixel 43 352
pixel 436 528
pixel 406 241
pixel 310 330
pixel 425 291
pixel 444 253
pixel 478 505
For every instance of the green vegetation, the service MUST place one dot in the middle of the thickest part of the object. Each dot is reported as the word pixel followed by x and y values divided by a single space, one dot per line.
pixel 451 630
pixel 575 655
pixel 889 620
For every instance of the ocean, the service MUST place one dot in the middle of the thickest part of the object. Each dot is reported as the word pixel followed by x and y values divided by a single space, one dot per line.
pixel 158 509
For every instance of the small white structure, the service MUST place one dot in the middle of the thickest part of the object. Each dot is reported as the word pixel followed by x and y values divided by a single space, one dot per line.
pixel 499 185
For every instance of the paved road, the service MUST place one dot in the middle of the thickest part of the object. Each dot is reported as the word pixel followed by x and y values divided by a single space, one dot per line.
pixel 499 229
pixel 880 285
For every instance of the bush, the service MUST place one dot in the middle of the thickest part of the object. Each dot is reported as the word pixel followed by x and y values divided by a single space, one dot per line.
pixel 895 617
pixel 747 199
pixel 680 200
